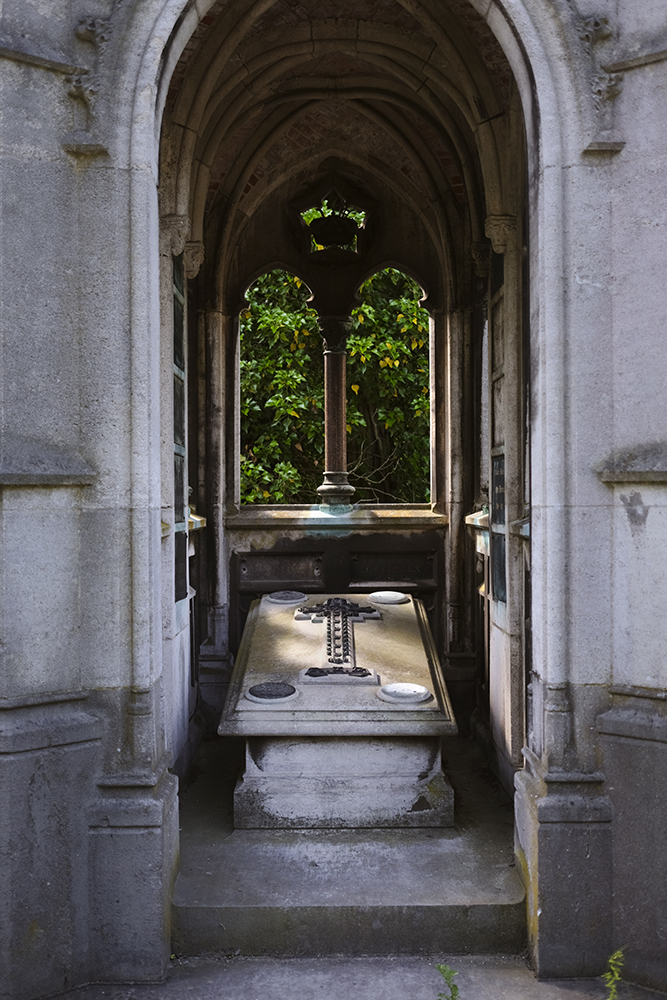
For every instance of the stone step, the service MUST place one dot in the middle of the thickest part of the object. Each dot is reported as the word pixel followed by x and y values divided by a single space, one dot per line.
pixel 354 892
pixel 347 892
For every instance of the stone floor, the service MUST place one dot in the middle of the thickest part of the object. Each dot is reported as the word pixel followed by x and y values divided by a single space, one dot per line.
pixel 487 977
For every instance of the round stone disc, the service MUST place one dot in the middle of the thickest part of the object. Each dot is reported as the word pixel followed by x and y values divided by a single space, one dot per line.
pixel 286 597
pixel 404 693
pixel 388 597
pixel 270 691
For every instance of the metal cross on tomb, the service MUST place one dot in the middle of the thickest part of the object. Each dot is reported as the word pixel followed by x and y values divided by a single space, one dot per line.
pixel 339 614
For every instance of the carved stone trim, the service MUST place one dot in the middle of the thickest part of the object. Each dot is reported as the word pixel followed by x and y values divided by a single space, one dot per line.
pixel 635 62
pixel 502 230
pixel 83 87
pixel 193 258
pixel 42 62
pixel 96 30
pixel 334 331
pixel 175 230
pixel 605 87
pixel 481 255
pixel 592 30
pixel 82 143
pixel 644 464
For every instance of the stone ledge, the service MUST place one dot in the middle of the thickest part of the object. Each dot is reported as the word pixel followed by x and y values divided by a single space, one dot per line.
pixel 574 808
pixel 644 464
pixel 28 462
pixel 42 62
pixel 54 723
pixel 270 517
pixel 633 725
pixel 46 479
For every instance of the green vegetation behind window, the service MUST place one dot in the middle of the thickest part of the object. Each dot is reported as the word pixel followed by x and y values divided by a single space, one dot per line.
pixel 282 395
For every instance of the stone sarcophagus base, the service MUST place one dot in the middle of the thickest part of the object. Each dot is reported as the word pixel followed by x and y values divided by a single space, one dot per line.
pixel 321 782
pixel 328 742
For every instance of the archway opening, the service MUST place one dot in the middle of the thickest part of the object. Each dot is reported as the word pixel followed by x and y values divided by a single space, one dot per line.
pixel 282 398
pixel 281 392
pixel 388 391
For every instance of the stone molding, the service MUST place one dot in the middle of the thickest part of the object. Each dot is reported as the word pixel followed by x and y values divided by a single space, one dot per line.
pixel 334 331
pixel 635 62
pixel 502 230
pixel 96 30
pixel 41 62
pixel 636 691
pixel 644 464
pixel 634 724
pixel 592 30
pixel 83 87
pixel 51 721
pixel 82 143
pixel 25 462
pixel 481 255
pixel 174 230
pixel 378 518
pixel 193 258
pixel 605 87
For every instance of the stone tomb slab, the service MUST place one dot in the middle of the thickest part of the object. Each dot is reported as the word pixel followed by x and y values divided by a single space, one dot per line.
pixel 335 735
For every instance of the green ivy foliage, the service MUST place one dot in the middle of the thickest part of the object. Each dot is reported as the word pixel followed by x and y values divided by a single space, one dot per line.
pixel 282 394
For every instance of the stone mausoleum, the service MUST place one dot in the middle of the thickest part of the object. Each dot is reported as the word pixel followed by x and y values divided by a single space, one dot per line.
pixel 157 157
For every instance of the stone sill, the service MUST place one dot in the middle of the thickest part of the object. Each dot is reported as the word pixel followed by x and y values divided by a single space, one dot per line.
pixel 46 479
pixel 633 476
pixel 275 517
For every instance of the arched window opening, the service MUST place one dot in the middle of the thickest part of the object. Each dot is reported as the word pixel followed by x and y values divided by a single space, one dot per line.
pixel 388 398
pixel 282 394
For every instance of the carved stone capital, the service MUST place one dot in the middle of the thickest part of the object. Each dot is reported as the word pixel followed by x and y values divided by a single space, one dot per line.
pixel 193 258
pixel 605 87
pixel 334 331
pixel 175 230
pixel 96 30
pixel 82 87
pixel 502 230
pixel 481 255
pixel 592 30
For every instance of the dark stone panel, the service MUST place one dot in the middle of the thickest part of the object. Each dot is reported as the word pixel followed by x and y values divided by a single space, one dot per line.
pixel 269 570
pixel 348 562
pixel 49 755
pixel 635 751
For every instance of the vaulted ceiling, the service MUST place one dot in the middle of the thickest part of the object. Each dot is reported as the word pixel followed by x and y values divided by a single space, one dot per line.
pixel 412 96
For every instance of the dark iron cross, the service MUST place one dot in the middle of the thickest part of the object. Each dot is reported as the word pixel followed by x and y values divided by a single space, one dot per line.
pixel 339 614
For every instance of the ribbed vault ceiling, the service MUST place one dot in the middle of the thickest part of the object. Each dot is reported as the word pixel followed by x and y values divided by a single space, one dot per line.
pixel 415 93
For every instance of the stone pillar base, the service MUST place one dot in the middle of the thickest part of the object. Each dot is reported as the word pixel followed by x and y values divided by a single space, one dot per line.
pixel 319 783
pixel 563 846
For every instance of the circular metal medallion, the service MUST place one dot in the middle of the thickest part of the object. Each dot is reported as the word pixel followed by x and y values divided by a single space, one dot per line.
pixel 271 691
pixel 286 597
pixel 388 597
pixel 404 693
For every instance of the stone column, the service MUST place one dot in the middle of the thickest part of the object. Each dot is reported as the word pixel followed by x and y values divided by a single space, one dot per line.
pixel 335 490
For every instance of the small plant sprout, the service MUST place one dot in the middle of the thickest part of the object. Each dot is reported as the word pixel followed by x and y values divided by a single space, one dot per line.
pixel 613 974
pixel 452 991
